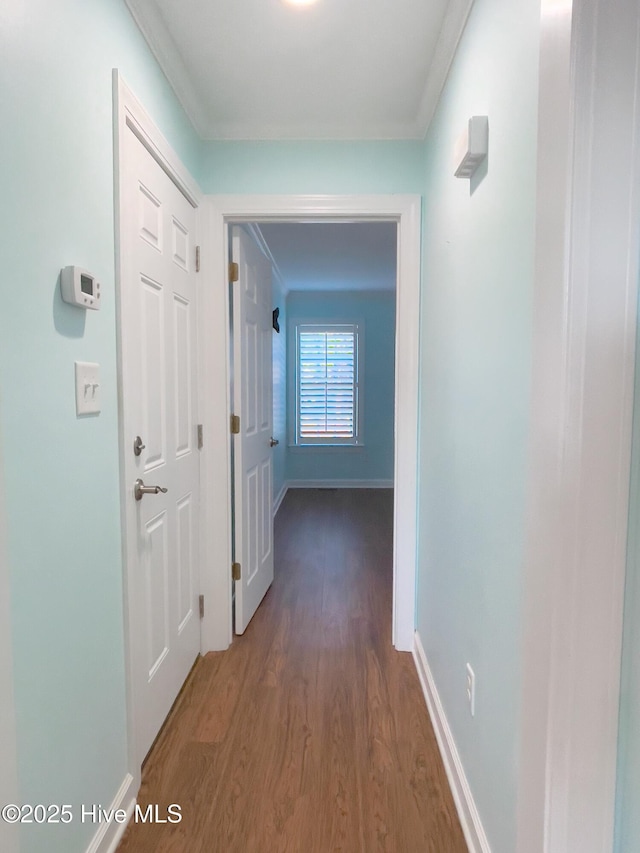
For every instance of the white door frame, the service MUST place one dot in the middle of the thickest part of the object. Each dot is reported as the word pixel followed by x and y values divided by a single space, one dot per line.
pixel 223 211
pixel 130 116
pixel 584 332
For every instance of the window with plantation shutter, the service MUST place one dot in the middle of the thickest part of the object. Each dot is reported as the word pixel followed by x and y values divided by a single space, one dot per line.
pixel 327 366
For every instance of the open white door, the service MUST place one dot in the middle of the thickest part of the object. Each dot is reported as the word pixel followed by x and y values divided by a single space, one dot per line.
pixel 252 402
pixel 159 395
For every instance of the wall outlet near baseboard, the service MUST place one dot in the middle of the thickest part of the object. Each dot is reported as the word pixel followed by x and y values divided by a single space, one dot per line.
pixel 471 690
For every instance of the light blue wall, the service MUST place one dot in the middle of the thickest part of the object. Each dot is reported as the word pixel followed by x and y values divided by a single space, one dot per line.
pixel 373 461
pixel 62 491
pixel 475 366
pixel 313 167
pixel 628 793
pixel 279 391
pixel 9 837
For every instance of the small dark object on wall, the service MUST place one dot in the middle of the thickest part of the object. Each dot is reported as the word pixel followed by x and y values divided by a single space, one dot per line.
pixel 276 314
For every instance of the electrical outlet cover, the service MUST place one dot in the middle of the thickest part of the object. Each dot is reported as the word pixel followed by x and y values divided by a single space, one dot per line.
pixel 471 690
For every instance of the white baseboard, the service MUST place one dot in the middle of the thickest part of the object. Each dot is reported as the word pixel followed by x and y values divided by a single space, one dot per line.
pixel 108 836
pixel 280 498
pixel 467 812
pixel 340 484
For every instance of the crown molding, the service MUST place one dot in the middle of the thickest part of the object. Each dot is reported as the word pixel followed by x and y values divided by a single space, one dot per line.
pixel 453 25
pixel 156 33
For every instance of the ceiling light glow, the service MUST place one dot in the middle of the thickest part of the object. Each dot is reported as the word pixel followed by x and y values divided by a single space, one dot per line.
pixel 300 2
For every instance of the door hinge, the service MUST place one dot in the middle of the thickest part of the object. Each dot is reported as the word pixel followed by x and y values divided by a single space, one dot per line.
pixel 200 437
pixel 235 424
pixel 197 258
pixel 234 272
pixel 201 605
pixel 236 571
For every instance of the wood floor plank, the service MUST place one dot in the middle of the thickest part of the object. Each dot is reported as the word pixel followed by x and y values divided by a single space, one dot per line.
pixel 310 734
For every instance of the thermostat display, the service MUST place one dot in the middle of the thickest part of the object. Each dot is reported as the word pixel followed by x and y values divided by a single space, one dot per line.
pixel 80 288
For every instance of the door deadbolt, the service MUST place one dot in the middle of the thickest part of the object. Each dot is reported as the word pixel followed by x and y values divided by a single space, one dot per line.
pixel 138 446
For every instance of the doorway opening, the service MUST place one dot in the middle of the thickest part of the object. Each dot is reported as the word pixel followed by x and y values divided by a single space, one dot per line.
pixel 403 212
pixel 312 375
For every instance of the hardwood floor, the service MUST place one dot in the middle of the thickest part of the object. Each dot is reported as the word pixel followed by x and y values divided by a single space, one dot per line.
pixel 310 734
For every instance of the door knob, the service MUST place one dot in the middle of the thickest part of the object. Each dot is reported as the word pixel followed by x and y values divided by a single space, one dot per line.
pixel 139 489
pixel 273 441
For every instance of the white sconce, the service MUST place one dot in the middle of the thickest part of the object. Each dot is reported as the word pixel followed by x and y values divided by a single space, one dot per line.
pixel 472 147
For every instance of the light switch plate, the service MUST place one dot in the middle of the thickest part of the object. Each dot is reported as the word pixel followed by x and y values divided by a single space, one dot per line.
pixel 88 394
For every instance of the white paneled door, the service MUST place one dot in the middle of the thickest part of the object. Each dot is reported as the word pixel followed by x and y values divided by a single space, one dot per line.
pixel 253 465
pixel 158 329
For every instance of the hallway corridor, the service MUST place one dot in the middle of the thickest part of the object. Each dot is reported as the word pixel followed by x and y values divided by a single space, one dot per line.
pixel 310 734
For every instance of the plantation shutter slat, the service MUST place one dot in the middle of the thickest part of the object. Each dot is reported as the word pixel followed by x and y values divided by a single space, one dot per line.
pixel 327 385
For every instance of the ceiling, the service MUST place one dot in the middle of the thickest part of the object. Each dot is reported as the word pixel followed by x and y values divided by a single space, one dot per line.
pixel 339 69
pixel 327 256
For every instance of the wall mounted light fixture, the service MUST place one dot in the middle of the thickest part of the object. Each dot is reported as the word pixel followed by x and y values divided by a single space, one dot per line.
pixel 472 146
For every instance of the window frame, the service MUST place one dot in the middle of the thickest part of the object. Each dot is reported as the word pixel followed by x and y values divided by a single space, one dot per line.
pixel 328 442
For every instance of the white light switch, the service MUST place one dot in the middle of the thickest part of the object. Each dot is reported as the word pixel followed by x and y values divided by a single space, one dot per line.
pixel 87 388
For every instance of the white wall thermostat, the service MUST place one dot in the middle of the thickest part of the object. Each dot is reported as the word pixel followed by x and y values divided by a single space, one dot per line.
pixel 79 287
